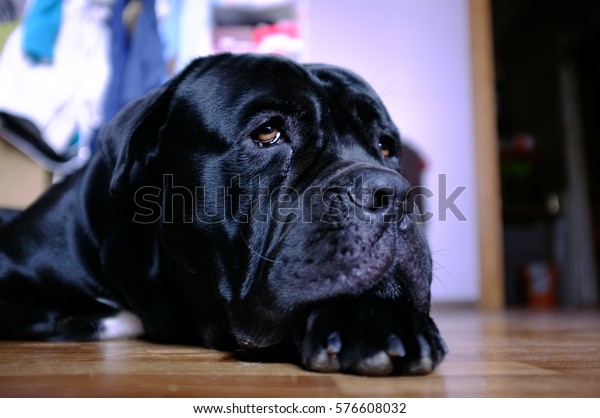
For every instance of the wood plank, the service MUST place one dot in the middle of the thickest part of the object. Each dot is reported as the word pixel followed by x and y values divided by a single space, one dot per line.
pixel 487 161
pixel 493 354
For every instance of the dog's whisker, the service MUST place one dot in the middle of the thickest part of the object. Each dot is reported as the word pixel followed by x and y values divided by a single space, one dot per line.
pixel 443 252
pixel 445 268
pixel 256 253
pixel 386 90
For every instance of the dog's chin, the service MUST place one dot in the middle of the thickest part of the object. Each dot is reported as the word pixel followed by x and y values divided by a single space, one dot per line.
pixel 268 324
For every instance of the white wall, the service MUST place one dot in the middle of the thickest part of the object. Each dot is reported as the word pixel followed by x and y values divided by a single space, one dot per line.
pixel 416 54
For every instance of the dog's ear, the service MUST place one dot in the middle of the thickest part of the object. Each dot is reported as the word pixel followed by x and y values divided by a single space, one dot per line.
pixel 133 132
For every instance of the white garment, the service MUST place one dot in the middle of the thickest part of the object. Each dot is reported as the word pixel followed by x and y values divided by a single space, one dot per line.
pixel 65 97
pixel 196 31
pixel 185 28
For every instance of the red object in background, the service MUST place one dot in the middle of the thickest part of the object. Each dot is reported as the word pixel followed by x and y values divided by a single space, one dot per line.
pixel 281 28
pixel 540 281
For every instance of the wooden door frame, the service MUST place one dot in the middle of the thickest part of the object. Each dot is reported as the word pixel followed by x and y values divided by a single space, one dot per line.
pixel 489 203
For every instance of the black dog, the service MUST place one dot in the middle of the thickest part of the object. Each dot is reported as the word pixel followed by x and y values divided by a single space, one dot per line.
pixel 250 204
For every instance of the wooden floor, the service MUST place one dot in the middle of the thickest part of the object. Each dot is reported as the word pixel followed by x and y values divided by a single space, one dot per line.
pixel 513 354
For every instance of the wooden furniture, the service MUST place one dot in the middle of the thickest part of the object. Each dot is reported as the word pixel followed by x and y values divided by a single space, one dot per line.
pixel 486 148
pixel 21 180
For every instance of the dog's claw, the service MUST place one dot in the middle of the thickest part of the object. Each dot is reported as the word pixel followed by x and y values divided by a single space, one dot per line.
pixel 324 362
pixel 334 343
pixel 443 346
pixel 422 366
pixel 395 348
pixel 378 364
pixel 424 348
pixel 325 359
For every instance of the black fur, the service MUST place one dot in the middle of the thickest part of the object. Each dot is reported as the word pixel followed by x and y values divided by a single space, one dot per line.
pixel 305 246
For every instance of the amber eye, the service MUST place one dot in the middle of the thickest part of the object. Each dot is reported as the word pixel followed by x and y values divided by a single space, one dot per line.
pixel 386 147
pixel 268 134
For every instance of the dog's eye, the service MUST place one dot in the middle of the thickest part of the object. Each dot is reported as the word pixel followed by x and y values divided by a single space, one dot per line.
pixel 268 134
pixel 386 147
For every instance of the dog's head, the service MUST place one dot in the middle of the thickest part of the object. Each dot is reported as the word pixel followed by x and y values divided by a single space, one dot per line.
pixel 275 186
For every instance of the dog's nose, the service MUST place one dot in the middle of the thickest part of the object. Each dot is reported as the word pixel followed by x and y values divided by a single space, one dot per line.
pixel 379 190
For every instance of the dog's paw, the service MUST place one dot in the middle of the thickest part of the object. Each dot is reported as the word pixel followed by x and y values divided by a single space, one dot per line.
pixel 370 337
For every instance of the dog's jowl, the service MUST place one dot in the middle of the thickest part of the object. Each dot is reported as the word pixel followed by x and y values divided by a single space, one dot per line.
pixel 251 204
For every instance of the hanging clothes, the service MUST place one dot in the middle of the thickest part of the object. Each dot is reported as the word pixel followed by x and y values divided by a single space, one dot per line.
pixel 40 29
pixel 185 28
pixel 8 11
pixel 63 98
pixel 136 56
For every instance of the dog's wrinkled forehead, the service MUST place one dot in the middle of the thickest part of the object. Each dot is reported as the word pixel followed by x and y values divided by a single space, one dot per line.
pixel 217 103
pixel 241 87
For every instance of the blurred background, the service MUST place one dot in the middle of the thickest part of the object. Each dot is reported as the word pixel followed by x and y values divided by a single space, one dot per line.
pixel 515 201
